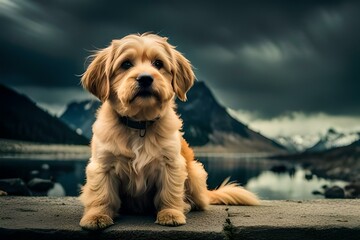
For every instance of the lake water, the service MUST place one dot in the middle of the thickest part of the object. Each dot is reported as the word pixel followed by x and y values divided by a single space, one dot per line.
pixel 268 178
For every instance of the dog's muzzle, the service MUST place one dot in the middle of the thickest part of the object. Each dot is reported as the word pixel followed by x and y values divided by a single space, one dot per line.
pixel 145 90
pixel 144 80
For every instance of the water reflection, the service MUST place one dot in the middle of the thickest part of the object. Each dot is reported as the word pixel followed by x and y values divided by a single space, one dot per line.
pixel 269 179
pixel 272 180
pixel 270 185
pixel 239 169
pixel 70 174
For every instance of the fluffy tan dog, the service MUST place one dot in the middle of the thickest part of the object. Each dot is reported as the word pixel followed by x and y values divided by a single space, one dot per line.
pixel 140 161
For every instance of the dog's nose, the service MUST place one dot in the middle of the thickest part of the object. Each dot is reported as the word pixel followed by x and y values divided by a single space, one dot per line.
pixel 144 80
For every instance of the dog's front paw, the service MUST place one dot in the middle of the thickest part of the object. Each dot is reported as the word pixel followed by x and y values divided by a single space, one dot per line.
pixel 170 217
pixel 96 222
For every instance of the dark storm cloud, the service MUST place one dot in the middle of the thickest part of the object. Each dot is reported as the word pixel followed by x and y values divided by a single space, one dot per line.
pixel 268 58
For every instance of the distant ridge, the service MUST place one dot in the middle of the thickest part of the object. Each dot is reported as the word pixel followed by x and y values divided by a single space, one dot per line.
pixel 334 139
pixel 21 119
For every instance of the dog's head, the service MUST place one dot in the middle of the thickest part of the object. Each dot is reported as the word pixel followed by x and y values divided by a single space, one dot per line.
pixel 139 75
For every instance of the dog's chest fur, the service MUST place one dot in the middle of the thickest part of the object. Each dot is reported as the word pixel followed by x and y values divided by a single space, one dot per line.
pixel 140 176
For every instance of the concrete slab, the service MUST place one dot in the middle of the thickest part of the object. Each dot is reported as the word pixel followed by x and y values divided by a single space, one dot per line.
pixel 58 218
pixel 315 219
pixel 34 217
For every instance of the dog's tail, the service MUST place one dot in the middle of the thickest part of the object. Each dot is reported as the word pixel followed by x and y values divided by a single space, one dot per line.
pixel 230 193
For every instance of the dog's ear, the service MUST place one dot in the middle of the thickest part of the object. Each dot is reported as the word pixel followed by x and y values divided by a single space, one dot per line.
pixel 183 76
pixel 96 78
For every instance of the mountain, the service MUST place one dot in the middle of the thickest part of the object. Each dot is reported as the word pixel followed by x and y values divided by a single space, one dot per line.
pixel 334 139
pixel 317 143
pixel 298 143
pixel 206 123
pixel 21 119
pixel 81 115
pixel 335 163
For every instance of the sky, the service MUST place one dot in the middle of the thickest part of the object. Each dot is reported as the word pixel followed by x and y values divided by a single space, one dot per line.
pixel 282 67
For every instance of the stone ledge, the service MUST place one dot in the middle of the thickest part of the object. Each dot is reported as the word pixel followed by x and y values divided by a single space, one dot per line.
pixel 57 218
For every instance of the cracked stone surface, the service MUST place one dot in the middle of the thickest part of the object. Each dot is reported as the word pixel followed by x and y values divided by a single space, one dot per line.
pixel 58 218
pixel 315 219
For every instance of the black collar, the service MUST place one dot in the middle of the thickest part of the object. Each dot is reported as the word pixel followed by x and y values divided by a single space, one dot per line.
pixel 140 125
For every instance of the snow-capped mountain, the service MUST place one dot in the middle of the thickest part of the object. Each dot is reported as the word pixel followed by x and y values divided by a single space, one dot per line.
pixel 316 143
pixel 334 139
pixel 298 143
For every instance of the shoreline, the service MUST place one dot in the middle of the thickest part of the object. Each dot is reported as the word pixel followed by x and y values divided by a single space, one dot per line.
pixel 10 149
pixel 341 168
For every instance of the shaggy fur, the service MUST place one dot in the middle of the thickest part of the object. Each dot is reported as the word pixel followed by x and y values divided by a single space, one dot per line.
pixel 154 173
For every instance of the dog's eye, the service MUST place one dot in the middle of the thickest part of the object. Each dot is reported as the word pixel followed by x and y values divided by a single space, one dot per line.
pixel 158 64
pixel 126 65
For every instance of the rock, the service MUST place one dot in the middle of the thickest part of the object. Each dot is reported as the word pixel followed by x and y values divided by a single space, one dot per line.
pixel 292 171
pixel 279 168
pixel 14 186
pixel 2 193
pixel 353 189
pixel 57 191
pixel 334 192
pixel 309 176
pixel 316 192
pixel 34 173
pixel 40 185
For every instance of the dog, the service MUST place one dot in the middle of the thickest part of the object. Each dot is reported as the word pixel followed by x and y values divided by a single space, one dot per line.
pixel 140 162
